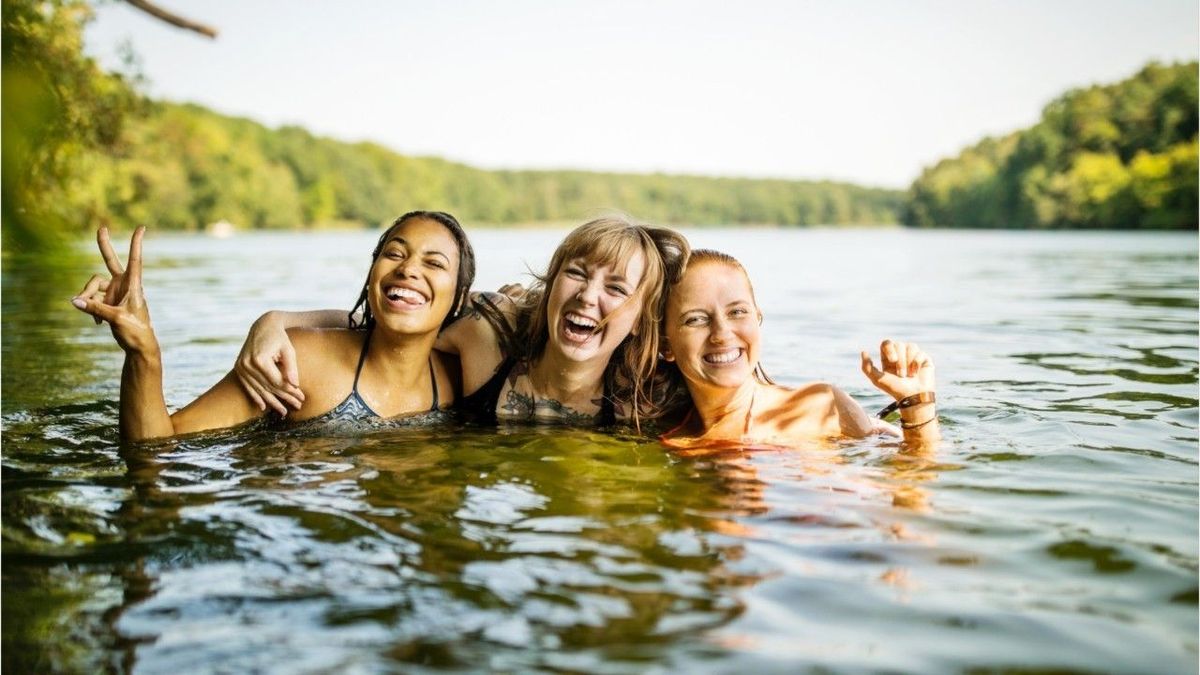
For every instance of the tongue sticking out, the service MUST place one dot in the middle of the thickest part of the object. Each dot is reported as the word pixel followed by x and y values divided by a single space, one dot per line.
pixel 405 296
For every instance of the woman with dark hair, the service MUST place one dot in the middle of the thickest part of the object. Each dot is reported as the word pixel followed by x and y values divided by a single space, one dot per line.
pixel 579 348
pixel 380 368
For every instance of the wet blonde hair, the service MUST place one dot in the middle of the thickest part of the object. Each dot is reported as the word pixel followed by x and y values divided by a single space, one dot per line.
pixel 610 240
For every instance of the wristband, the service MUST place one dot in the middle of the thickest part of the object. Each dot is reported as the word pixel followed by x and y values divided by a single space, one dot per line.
pixel 909 427
pixel 907 402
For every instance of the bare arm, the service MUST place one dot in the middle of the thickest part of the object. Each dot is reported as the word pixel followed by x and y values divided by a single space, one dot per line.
pixel 121 302
pixel 266 367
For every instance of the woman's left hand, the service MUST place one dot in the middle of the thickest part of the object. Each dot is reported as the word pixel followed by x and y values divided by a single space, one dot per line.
pixel 906 369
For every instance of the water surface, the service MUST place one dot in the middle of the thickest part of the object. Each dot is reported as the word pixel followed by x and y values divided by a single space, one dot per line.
pixel 1055 528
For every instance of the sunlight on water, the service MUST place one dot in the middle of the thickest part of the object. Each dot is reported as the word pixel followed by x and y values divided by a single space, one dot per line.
pixel 1056 527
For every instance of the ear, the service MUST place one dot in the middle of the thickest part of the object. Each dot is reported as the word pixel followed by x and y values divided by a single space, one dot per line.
pixel 667 354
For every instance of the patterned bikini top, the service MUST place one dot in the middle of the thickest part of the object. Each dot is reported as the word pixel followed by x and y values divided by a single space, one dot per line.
pixel 354 413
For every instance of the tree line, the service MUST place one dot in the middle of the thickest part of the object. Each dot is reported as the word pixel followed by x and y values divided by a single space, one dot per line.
pixel 182 166
pixel 83 147
pixel 1106 156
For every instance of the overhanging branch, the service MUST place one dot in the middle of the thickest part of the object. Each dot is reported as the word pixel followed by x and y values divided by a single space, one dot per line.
pixel 173 19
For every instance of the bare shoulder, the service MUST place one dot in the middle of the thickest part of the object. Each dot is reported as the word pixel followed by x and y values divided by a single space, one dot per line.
pixel 326 358
pixel 811 395
pixel 319 344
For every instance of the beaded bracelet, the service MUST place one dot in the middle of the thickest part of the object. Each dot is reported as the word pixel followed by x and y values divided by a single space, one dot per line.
pixel 909 427
pixel 908 402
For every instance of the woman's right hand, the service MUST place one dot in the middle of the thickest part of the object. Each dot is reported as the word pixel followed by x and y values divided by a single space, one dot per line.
pixel 266 367
pixel 119 300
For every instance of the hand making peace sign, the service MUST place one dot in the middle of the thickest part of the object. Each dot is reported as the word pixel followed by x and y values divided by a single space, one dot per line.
pixel 119 299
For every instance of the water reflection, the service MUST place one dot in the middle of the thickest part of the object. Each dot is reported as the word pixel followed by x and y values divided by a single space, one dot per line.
pixel 1055 529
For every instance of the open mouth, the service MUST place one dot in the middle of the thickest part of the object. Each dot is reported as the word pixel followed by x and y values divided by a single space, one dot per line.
pixel 405 298
pixel 578 328
pixel 724 357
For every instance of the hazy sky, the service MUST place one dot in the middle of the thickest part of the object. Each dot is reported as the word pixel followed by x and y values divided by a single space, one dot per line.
pixel 860 90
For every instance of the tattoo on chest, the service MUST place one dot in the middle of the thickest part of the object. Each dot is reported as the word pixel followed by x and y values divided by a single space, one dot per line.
pixel 524 406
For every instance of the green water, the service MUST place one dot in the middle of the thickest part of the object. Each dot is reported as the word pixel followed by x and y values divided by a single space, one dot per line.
pixel 1054 529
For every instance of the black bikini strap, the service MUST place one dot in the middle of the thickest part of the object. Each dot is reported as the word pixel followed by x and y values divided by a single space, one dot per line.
pixel 433 382
pixel 608 412
pixel 362 358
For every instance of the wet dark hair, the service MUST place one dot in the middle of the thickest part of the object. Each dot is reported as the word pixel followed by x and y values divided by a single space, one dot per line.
pixel 361 317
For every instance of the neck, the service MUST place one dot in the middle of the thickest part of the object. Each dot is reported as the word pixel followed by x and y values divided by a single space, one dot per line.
pixel 723 410
pixel 553 376
pixel 403 360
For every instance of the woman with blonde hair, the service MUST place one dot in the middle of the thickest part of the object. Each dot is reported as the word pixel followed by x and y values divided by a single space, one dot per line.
pixel 712 340
pixel 580 347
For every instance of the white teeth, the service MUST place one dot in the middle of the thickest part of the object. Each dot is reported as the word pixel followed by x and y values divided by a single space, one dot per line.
pixel 581 321
pixel 727 356
pixel 407 294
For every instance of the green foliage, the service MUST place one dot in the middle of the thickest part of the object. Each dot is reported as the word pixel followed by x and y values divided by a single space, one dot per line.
pixel 57 105
pixel 1117 156
pixel 183 166
pixel 82 149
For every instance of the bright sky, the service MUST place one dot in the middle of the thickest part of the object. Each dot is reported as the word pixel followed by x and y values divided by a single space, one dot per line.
pixel 868 91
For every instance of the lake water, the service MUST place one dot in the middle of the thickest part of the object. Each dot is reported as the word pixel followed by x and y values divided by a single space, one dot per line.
pixel 1054 529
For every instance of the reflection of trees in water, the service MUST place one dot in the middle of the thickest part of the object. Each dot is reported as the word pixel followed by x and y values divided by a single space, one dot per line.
pixel 48 352
pixel 419 546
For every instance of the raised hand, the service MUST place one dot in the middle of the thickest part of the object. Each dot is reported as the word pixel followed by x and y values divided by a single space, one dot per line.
pixel 266 368
pixel 906 370
pixel 514 291
pixel 119 299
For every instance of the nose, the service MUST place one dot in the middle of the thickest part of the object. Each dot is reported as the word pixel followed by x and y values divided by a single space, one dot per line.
pixel 720 331
pixel 589 293
pixel 407 268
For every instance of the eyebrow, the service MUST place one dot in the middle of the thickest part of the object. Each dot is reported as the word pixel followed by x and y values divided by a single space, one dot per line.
pixel 705 311
pixel 402 241
pixel 581 262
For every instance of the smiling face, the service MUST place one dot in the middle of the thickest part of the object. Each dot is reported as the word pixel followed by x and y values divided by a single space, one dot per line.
pixel 713 325
pixel 592 306
pixel 412 283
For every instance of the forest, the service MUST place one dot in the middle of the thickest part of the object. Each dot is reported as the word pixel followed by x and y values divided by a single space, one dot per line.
pixel 1119 156
pixel 84 147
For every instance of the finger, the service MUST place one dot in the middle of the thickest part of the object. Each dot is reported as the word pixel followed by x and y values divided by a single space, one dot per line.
pixel 274 403
pixel 287 397
pixel 98 297
pixel 111 261
pixel 267 397
pixel 274 390
pixel 888 356
pixel 915 355
pixel 98 310
pixel 902 360
pixel 291 371
pixel 111 293
pixel 248 388
pixel 135 258
pixel 90 288
pixel 880 378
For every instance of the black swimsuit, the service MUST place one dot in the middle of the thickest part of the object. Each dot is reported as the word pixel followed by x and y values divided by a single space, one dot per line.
pixel 355 411
pixel 480 405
